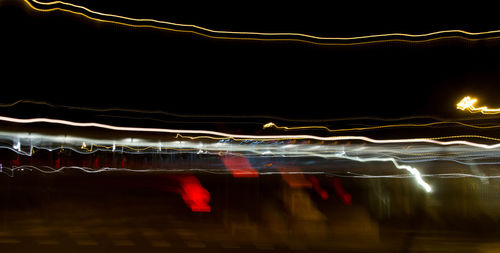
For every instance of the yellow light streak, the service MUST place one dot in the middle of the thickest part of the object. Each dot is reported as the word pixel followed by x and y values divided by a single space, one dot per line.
pixel 92 146
pixel 286 128
pixel 362 138
pixel 256 36
pixel 467 103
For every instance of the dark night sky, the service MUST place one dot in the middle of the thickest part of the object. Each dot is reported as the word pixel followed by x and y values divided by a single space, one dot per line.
pixel 64 59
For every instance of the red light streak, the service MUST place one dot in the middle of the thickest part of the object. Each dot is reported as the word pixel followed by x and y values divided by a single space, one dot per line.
pixel 239 166
pixel 341 193
pixel 193 194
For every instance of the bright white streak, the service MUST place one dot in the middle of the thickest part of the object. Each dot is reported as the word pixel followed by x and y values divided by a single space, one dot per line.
pixel 239 136
pixel 412 170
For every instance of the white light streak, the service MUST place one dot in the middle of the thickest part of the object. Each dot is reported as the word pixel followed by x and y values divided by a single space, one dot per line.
pixel 392 150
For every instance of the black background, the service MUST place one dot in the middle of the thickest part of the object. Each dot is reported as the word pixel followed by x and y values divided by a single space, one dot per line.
pixel 62 58
pixel 67 59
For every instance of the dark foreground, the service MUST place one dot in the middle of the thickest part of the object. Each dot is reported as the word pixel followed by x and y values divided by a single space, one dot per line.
pixel 123 212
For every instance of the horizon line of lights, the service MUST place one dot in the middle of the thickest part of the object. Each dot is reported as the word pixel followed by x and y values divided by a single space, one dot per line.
pixel 178 132
pixel 338 153
pixel 467 103
pixel 411 170
pixel 258 36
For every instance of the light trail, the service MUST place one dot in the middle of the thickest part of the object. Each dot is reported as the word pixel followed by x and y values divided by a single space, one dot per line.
pixel 258 36
pixel 433 140
pixel 222 135
pixel 158 113
pixel 277 150
pixel 267 150
pixel 286 128
pixel 26 144
pixel 467 103
pixel 412 170
pixel 363 154
pixel 49 170
pixel 256 146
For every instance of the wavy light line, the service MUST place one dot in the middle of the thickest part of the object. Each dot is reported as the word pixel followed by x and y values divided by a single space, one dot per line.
pixel 219 135
pixel 259 117
pixel 412 170
pixel 222 135
pixel 281 149
pixel 286 128
pixel 259 36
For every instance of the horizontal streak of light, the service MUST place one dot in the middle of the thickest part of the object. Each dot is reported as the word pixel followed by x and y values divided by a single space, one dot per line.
pixel 306 152
pixel 414 171
pixel 288 147
pixel 358 138
pixel 362 153
pixel 338 155
pixel 260 117
pixel 21 142
pixel 326 154
pixel 440 175
pixel 50 170
pixel 259 36
pixel 286 128
pixel 245 137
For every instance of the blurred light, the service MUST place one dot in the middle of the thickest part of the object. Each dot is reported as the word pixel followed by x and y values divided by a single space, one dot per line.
pixel 467 103
pixel 194 195
pixel 239 166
